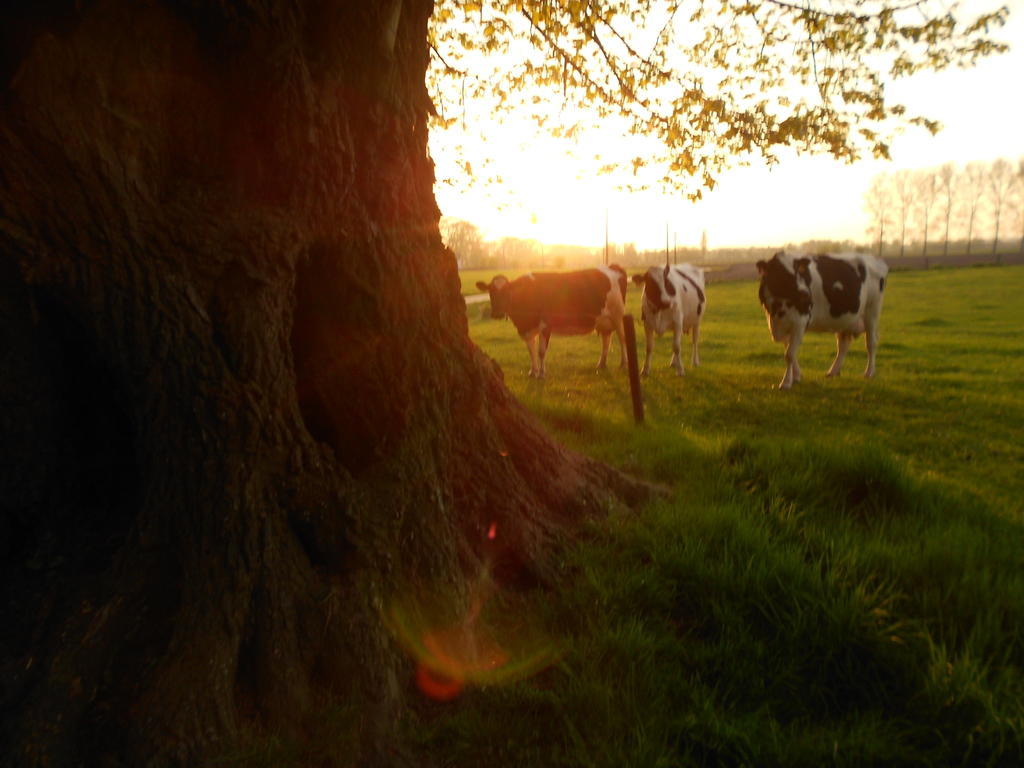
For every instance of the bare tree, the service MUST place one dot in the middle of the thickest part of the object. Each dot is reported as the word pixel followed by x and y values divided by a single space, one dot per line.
pixel 516 251
pixel 878 203
pixel 946 176
pixel 1000 185
pixel 464 239
pixel 903 188
pixel 926 184
pixel 972 191
pixel 1019 196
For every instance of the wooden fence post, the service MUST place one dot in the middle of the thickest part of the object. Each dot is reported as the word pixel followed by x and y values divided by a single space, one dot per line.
pixel 634 370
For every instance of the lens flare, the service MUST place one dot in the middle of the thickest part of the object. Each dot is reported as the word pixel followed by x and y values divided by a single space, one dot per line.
pixel 436 687
pixel 452 655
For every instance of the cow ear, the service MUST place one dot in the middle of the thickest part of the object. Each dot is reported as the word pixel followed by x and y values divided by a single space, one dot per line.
pixel 802 267
pixel 482 286
pixel 669 288
pixel 638 279
pixel 762 267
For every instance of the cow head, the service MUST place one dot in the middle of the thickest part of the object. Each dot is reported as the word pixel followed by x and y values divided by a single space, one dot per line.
pixel 498 294
pixel 621 279
pixel 785 293
pixel 658 289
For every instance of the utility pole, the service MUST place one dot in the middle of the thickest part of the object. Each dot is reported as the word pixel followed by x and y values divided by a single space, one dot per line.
pixel 666 244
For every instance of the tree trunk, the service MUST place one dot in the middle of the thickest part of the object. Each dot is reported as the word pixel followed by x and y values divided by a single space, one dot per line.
pixel 239 400
pixel 970 231
pixel 995 238
pixel 945 239
pixel 924 248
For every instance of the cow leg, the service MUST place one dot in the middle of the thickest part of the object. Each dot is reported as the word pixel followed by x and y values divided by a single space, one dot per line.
pixel 694 339
pixel 531 344
pixel 648 349
pixel 606 342
pixel 842 346
pixel 793 374
pixel 871 337
pixel 545 339
pixel 677 337
pixel 620 333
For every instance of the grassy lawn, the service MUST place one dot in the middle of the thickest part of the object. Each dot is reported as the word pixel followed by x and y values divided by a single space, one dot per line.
pixel 837 579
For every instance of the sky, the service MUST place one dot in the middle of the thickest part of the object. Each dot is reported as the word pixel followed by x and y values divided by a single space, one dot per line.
pixel 549 194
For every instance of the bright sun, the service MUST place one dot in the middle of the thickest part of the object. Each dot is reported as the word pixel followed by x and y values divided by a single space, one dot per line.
pixel 536 186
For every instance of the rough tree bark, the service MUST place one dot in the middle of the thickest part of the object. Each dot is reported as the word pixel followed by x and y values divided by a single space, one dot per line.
pixel 239 401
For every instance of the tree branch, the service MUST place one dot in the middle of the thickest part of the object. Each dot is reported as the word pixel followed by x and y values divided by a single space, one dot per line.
pixel 843 14
pixel 565 57
pixel 449 69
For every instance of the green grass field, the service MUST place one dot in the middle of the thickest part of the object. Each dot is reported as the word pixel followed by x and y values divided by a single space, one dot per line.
pixel 838 577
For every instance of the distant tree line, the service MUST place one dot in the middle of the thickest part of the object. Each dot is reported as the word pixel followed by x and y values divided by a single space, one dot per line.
pixel 472 251
pixel 926 212
pixel 931 210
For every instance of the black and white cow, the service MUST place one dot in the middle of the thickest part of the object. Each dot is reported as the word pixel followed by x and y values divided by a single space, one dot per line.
pixel 673 298
pixel 563 303
pixel 840 294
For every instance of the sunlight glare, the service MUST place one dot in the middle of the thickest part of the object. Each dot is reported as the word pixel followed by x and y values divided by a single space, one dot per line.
pixel 451 655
